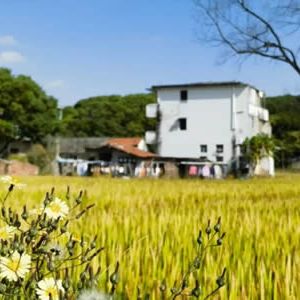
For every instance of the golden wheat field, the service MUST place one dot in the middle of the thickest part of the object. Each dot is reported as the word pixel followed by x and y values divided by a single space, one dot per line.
pixel 151 227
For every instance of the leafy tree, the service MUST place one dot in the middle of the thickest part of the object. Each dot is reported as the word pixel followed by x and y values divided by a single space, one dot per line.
pixel 256 148
pixel 112 116
pixel 285 119
pixel 25 110
pixel 261 28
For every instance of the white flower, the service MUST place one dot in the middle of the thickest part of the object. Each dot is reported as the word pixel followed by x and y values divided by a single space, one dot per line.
pixel 49 288
pixel 14 267
pixel 92 295
pixel 57 208
pixel 7 232
pixel 12 182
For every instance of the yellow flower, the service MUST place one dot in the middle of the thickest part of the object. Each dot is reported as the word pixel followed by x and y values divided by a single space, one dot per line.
pixel 57 208
pixel 11 181
pixel 7 232
pixel 49 288
pixel 14 267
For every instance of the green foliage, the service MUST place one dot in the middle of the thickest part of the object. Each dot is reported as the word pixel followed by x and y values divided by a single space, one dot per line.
pixel 285 114
pixel 39 156
pixel 22 157
pixel 108 116
pixel 285 120
pixel 257 147
pixel 25 109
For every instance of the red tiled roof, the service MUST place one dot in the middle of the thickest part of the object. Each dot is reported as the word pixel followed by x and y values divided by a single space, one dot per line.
pixel 129 145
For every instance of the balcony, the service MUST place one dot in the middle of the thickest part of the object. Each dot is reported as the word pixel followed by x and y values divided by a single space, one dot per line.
pixel 259 112
pixel 151 110
pixel 150 137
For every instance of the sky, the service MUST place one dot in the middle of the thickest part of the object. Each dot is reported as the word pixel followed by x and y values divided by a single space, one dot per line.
pixel 82 48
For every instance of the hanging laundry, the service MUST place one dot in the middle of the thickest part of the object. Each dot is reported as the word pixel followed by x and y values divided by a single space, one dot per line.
pixel 193 171
pixel 206 171
pixel 218 172
pixel 82 168
pixel 200 172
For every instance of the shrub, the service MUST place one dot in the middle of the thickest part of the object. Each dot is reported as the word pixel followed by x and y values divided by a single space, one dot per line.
pixel 39 156
pixel 22 157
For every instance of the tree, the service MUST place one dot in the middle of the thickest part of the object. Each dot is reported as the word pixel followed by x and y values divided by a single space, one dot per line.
pixel 256 148
pixel 268 29
pixel 25 110
pixel 285 119
pixel 110 116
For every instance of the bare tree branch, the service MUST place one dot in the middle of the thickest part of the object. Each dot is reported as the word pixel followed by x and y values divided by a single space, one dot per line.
pixel 250 30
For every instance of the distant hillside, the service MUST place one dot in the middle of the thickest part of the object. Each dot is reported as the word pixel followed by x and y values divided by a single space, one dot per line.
pixel 285 119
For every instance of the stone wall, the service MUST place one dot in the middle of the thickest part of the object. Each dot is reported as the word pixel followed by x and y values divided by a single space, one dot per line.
pixel 17 168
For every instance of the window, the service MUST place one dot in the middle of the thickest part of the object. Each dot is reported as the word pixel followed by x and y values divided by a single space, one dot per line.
pixel 182 123
pixel 203 148
pixel 183 95
pixel 220 148
pixel 220 158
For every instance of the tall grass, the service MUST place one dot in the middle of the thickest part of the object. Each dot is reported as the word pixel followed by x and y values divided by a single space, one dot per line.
pixel 151 227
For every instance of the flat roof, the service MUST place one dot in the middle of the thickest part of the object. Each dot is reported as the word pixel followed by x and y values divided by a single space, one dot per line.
pixel 202 84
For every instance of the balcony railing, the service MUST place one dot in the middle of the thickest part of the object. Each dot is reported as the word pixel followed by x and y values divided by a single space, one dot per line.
pixel 259 112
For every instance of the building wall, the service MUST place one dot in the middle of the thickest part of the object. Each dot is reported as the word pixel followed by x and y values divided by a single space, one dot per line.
pixel 215 115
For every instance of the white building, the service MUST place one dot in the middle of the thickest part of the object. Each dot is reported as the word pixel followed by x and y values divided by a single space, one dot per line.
pixel 207 121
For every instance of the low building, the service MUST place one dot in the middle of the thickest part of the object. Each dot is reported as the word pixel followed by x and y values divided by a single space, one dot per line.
pixel 127 156
pixel 79 147
pixel 16 147
pixel 107 156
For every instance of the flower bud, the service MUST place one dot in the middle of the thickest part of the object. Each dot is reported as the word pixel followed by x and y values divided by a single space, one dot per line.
pixel 11 187
pixel 208 229
pixel 217 227
pixel 221 279
pixel 199 239
pixel 196 292
pixel 24 214
pixel 114 278
pixel 220 239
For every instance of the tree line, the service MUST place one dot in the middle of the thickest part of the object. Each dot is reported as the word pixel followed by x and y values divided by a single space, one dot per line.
pixel 111 116
pixel 26 111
